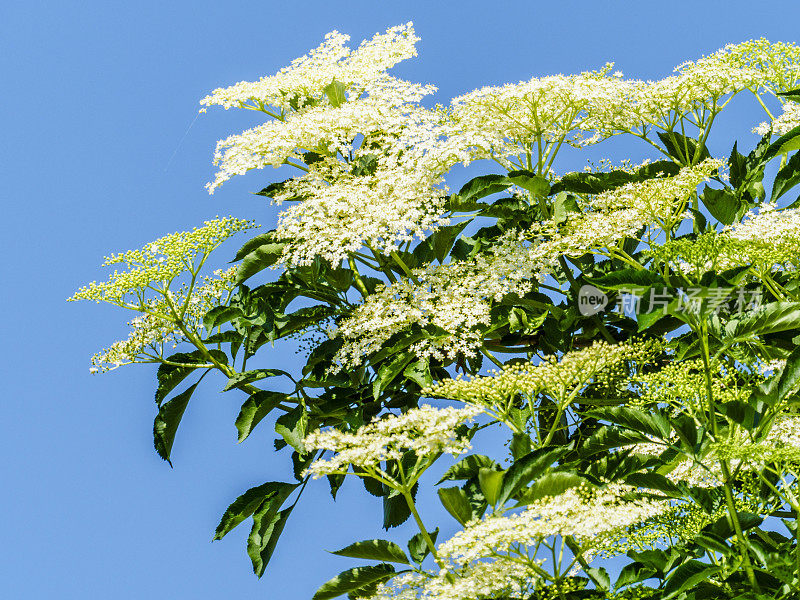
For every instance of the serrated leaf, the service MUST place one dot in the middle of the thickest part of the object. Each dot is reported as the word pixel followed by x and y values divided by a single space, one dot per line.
pixel 531 466
pixel 787 177
pixel 166 423
pixel 255 408
pixel 388 371
pixel 682 147
pixel 292 426
pixel 551 484
pixel 381 550
pixel 274 492
pixel 468 467
pixel 262 257
pixel 687 575
pixel 723 204
pixel 267 528
pixel 419 372
pixel 481 186
pixel 648 422
pixel 456 503
pixel 788 142
pixel 240 379
pixel 353 579
pixel 336 93
pixel 633 573
pixel 170 376
pixel 607 438
pixel 535 184
pixel 417 547
pixel 219 315
pixel 491 483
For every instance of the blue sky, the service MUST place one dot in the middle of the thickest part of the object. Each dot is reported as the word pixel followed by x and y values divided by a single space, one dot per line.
pixel 96 157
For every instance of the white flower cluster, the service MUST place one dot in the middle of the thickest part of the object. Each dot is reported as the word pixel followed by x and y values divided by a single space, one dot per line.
pixel 456 297
pixel 425 430
pixel 590 515
pixel 324 129
pixel 160 262
pixel 381 211
pixel 784 123
pixel 499 578
pixel 503 120
pixel 308 75
pixel 561 379
pixel 768 237
pixel 157 327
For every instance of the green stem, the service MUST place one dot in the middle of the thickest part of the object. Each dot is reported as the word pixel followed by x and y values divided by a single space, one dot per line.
pixel 425 535
pixel 360 286
pixel 726 474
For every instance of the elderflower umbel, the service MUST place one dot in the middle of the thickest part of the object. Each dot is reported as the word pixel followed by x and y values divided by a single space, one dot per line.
pixel 425 430
pixel 455 297
pixel 560 378
pixel 590 515
pixel 158 326
pixel 499 578
pixel 341 213
pixel 308 75
pixel 159 262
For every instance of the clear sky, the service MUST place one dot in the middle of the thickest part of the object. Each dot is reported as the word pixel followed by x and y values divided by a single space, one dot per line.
pixel 95 157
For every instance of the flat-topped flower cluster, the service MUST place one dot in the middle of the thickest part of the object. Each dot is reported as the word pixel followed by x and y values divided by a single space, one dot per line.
pixel 425 431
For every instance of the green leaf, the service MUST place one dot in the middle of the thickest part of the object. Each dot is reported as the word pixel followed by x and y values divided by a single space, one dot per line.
pixel 417 547
pixel 600 578
pixel 456 503
pixel 687 575
pixel 259 240
pixel 166 423
pixel 563 205
pixel 677 146
pixel 240 379
pixel 526 469
pixel 655 481
pixel 336 93
pixel 381 550
pixel 768 318
pixel 292 427
pixel 443 239
pixel 259 259
pixel 628 279
pixel 783 145
pixel 648 422
pixel 395 510
pixel 787 177
pixel 535 184
pixel 581 182
pixel 272 492
pixel 791 94
pixel 724 205
pixel 255 408
pixel 481 186
pixel 353 579
pixel 551 484
pixel 468 467
pixel 267 528
pixel 389 371
pixel 419 372
pixel 219 315
pixel 714 543
pixel 169 376
pixel 608 438
pixel 491 483
pixel 634 573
